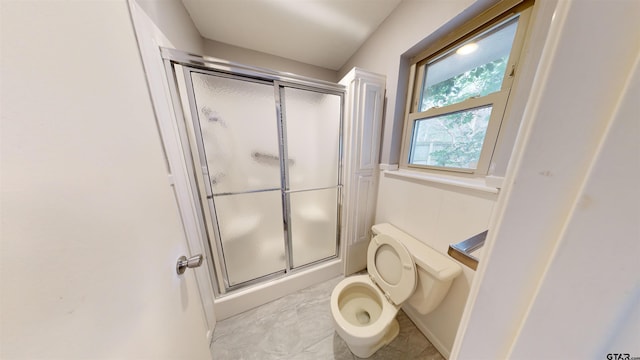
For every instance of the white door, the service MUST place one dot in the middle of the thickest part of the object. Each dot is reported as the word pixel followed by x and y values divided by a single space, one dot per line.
pixel 562 281
pixel 90 231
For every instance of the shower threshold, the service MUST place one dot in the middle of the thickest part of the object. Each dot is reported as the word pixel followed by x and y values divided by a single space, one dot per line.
pixel 241 300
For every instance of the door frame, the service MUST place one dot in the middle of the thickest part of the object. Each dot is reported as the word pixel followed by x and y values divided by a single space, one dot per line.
pixel 158 85
pixel 546 200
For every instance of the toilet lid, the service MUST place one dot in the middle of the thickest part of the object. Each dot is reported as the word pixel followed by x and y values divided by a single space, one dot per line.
pixel 391 267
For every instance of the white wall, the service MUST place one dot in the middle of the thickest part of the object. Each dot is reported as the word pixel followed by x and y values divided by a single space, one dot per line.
pixel 593 270
pixel 259 59
pixel 174 28
pixel 552 285
pixel 172 25
pixel 166 23
pixel 412 27
pixel 423 208
pixel 437 215
pixel 90 231
pixel 410 23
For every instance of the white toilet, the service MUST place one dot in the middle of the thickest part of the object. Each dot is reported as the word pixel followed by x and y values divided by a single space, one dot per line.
pixel 400 268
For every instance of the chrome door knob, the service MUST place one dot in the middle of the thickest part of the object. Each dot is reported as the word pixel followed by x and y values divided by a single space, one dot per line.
pixel 184 263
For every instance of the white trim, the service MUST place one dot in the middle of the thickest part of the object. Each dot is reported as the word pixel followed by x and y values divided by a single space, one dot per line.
pixel 364 103
pixel 593 183
pixel 542 74
pixel 494 181
pixel 165 117
pixel 543 184
pixel 477 184
pixel 391 167
pixel 497 100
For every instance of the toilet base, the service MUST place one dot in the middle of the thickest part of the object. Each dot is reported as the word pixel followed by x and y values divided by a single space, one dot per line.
pixel 366 351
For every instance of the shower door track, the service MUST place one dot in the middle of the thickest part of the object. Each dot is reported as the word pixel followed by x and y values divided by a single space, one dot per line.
pixel 222 66
pixel 215 67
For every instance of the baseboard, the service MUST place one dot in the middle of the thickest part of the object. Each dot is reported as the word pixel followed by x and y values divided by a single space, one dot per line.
pixel 433 339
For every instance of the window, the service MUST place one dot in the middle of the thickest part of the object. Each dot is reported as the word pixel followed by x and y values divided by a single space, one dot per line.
pixel 459 94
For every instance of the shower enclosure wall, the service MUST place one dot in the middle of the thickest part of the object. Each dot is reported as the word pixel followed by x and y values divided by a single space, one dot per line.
pixel 266 152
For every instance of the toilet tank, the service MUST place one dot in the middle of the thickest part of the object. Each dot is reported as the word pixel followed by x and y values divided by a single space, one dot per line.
pixel 436 271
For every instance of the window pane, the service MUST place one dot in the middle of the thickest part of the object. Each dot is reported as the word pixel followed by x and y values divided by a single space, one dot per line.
pixel 473 69
pixel 451 140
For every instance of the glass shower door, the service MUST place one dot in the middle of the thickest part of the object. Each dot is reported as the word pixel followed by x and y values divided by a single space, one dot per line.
pixel 239 138
pixel 313 121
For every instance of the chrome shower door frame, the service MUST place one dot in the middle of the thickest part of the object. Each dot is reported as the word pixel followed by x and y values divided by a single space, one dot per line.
pixel 191 133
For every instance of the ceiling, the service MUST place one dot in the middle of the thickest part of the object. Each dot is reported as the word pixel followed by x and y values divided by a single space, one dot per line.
pixel 324 33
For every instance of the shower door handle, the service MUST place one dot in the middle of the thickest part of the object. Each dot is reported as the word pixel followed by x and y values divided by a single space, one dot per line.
pixel 184 263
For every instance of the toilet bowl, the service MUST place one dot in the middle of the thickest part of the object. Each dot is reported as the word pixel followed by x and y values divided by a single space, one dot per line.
pixel 400 269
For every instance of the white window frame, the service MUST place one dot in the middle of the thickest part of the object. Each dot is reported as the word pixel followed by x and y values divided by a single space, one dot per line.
pixel 493 17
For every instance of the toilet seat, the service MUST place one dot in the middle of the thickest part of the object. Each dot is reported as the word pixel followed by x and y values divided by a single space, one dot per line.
pixel 391 267
pixel 364 307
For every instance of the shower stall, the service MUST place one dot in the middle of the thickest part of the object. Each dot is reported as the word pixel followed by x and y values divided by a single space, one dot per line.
pixel 264 153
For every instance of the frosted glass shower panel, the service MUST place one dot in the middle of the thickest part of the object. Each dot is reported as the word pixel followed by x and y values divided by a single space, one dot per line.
pixel 239 133
pixel 313 136
pixel 314 217
pixel 252 234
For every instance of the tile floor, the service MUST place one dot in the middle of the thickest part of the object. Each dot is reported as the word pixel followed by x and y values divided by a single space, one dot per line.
pixel 299 326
